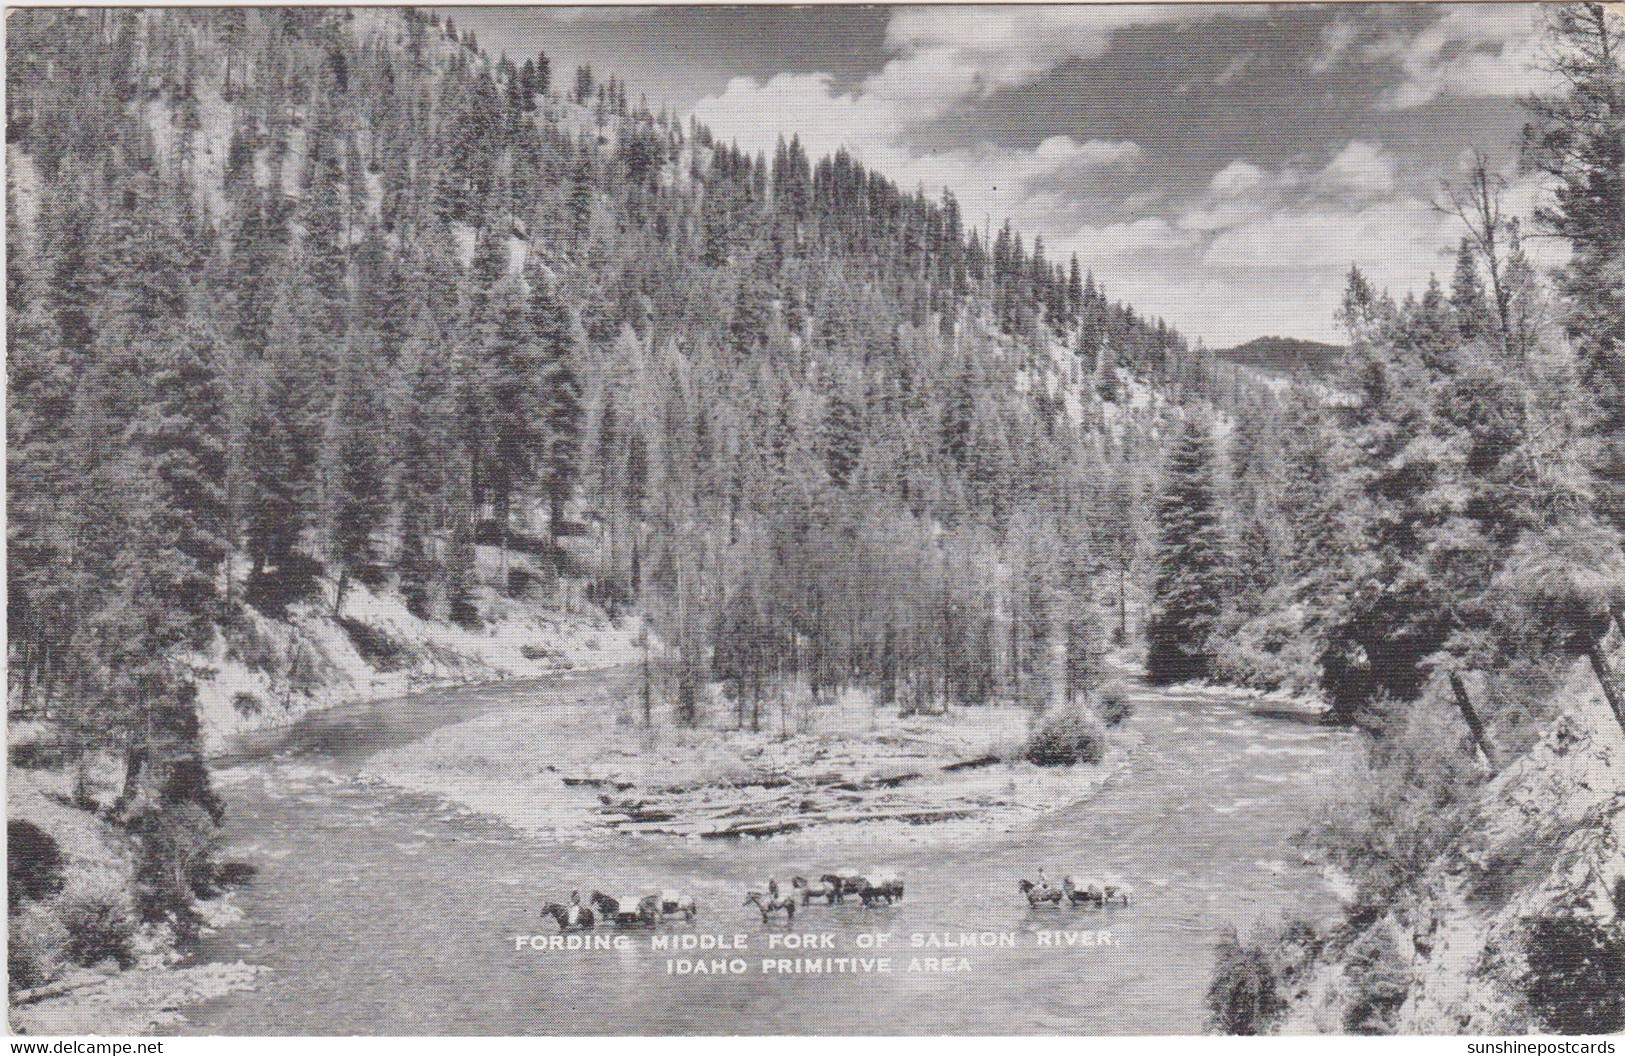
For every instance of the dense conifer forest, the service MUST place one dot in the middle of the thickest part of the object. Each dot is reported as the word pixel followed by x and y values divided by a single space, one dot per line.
pixel 301 298
pixel 304 298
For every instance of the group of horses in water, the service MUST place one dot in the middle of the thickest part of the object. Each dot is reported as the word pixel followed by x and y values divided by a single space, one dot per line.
pixel 1084 890
pixel 651 910
pixel 625 911
pixel 873 888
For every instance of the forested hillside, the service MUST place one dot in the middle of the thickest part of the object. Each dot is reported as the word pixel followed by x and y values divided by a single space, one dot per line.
pixel 304 299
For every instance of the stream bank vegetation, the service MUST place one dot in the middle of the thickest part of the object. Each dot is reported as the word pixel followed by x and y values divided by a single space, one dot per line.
pixel 1453 564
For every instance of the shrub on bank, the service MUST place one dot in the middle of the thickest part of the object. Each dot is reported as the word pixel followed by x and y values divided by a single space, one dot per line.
pixel 1271 651
pixel 1575 980
pixel 1379 978
pixel 1115 705
pixel 98 919
pixel 1065 738
pixel 36 947
pixel 1409 802
pixel 1245 995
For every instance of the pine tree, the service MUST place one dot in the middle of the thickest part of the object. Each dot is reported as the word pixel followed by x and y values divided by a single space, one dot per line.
pixel 1578 139
pixel 511 392
pixel 1189 588
pixel 1467 294
pixel 355 477
pixel 560 392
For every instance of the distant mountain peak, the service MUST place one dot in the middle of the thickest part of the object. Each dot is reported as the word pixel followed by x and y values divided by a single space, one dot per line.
pixel 1287 355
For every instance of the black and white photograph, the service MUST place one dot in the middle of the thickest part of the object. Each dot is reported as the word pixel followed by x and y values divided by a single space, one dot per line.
pixel 663 521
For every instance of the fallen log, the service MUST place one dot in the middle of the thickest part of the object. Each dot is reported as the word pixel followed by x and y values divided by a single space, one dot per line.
pixel 597 782
pixel 50 990
pixel 912 815
pixel 972 764
pixel 760 828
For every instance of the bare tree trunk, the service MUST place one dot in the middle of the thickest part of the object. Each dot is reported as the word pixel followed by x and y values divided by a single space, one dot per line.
pixel 1122 605
pixel 135 758
pixel 502 553
pixel 648 690
pixel 1470 714
pixel 1610 683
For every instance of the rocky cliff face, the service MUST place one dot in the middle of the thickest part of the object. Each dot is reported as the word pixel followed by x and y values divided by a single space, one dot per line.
pixel 1519 927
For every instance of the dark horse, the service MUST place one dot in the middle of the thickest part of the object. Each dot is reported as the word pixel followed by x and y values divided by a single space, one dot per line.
pixel 887 889
pixel 583 916
pixel 844 884
pixel 767 904
pixel 644 911
pixel 1038 896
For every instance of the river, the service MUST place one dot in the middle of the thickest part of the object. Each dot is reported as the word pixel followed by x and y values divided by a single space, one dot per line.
pixel 380 912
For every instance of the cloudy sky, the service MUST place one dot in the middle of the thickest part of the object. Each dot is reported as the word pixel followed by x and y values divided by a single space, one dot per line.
pixel 1221 166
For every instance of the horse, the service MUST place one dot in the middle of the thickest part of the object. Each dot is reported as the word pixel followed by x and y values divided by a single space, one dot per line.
pixel 630 911
pixel 577 916
pixel 1085 889
pixel 843 884
pixel 766 905
pixel 881 886
pixel 1117 889
pixel 672 903
pixel 809 890
pixel 1038 896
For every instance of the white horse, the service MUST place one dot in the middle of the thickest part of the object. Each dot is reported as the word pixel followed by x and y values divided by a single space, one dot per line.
pixel 1083 889
pixel 672 903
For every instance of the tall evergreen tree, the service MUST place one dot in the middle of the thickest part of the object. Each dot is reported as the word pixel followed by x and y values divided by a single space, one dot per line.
pixel 1189 588
pixel 1577 139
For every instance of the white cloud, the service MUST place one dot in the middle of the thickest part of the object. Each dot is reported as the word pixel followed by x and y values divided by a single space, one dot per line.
pixel 942 56
pixel 1235 68
pixel 946 54
pixel 1269 248
pixel 1363 170
pixel 1336 40
pixel 1472 50
pixel 1062 151
pixel 1238 177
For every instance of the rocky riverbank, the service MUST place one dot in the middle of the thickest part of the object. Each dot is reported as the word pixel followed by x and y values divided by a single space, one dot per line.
pixel 1517 921
pixel 266 672
pixel 85 965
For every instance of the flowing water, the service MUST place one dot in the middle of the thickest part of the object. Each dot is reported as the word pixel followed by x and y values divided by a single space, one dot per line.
pixel 380 912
